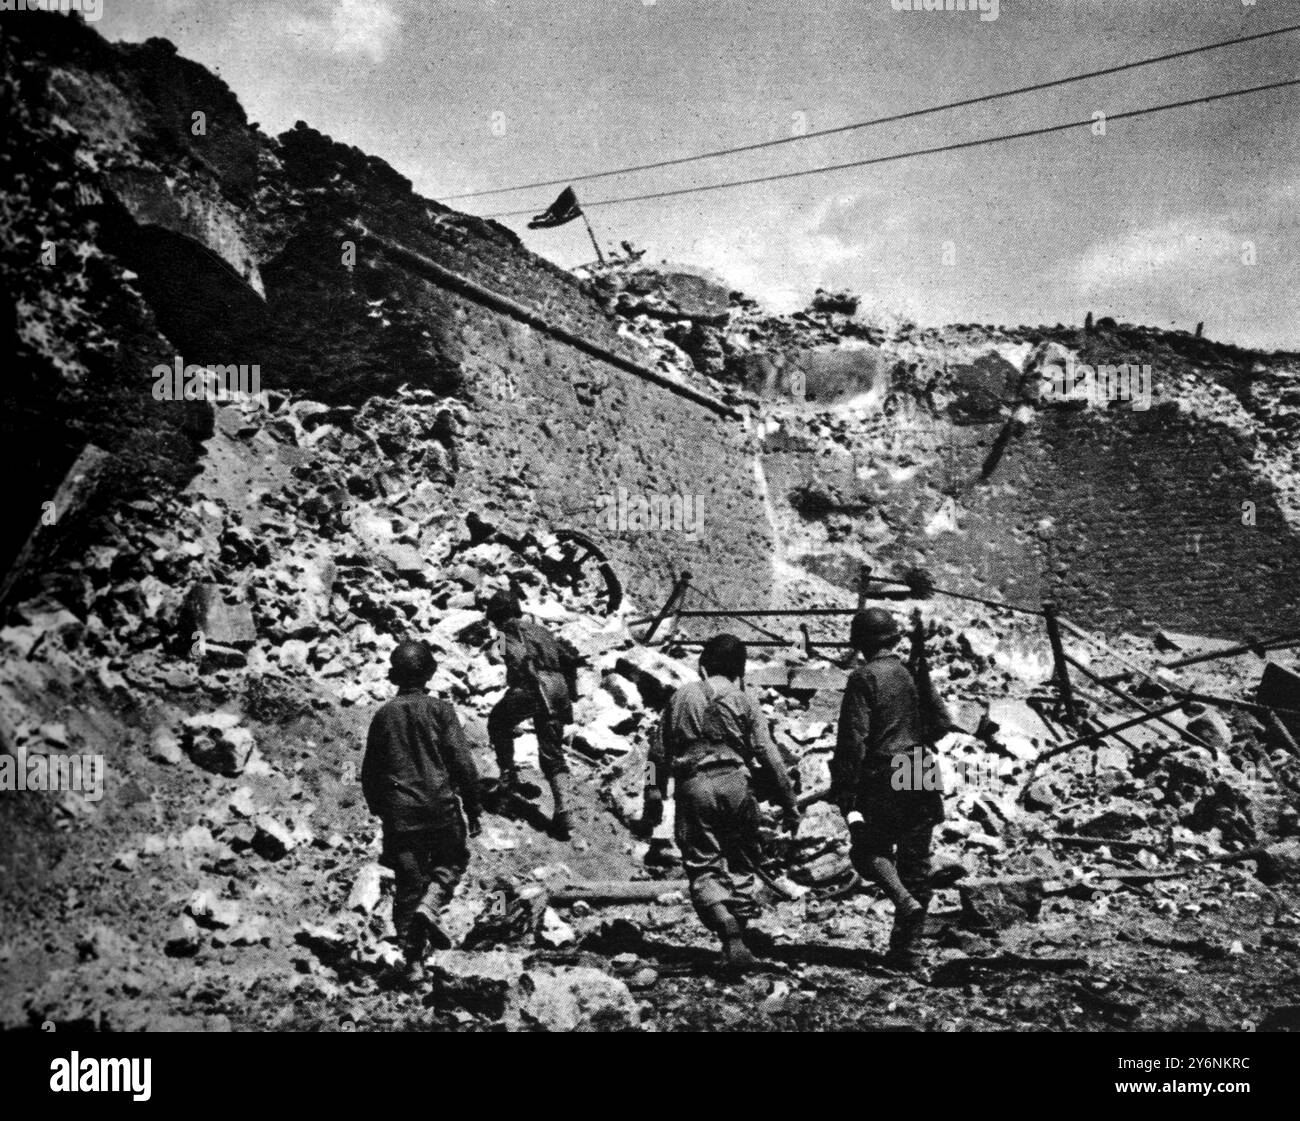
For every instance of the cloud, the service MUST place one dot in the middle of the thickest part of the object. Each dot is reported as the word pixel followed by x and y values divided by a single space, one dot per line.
pixel 780 261
pixel 363 27
pixel 1158 254
pixel 359 28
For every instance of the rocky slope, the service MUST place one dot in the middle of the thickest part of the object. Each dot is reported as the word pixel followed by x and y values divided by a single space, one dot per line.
pixel 223 647
pixel 215 624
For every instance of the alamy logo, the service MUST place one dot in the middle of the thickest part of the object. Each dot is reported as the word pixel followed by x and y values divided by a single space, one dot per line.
pixel 89 1075
pixel 662 513
pixel 90 10
pixel 1098 386
pixel 53 772
pixel 222 384
pixel 988 9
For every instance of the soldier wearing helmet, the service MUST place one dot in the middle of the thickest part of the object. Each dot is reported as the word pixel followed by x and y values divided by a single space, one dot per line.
pixel 713 737
pixel 416 765
pixel 541 684
pixel 890 821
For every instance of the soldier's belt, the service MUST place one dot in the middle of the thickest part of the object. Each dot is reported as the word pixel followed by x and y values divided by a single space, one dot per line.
pixel 708 763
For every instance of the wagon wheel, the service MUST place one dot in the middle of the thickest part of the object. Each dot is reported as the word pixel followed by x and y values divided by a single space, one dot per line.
pixel 583 564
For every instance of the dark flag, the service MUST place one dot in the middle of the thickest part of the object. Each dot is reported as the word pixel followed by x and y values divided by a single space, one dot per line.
pixel 563 209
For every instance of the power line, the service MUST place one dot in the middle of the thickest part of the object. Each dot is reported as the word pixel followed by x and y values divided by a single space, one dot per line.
pixel 980 99
pixel 918 152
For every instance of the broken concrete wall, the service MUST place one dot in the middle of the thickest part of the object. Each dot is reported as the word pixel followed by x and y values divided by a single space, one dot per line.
pixel 1132 518
pixel 1146 524
pixel 218 245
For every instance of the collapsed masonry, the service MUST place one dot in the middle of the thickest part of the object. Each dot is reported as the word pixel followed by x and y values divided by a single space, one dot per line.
pixel 218 626
pixel 235 639
pixel 169 228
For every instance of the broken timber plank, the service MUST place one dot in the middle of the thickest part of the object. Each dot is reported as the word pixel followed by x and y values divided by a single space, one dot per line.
pixel 1062 748
pixel 597 892
pixel 1089 637
pixel 1132 700
pixel 1275 643
pixel 1062 671
pixel 1097 842
pixel 674 600
pixel 1229 702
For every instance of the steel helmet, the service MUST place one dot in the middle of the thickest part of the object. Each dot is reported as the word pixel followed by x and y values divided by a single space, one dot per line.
pixel 873 627
pixel 412 661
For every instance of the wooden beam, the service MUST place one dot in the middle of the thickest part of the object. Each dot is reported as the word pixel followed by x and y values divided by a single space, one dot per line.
pixel 1134 702
pixel 1061 748
pixel 673 600
pixel 430 269
pixel 1091 638
pixel 1230 702
pixel 1059 662
pixel 599 892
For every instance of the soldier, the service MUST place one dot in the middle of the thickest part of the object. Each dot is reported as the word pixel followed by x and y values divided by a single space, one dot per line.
pixel 881 751
pixel 711 736
pixel 541 682
pixel 416 764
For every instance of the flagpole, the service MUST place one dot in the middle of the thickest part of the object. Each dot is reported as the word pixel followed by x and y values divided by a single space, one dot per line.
pixel 594 243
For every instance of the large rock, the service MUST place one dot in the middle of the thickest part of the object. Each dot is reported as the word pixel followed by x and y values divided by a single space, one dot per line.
pixel 216 742
pixel 1016 728
pixel 164 747
pixel 497 984
pixel 1279 862
pixel 995 906
pixel 480 982
pixel 656 676
pixel 183 938
pixel 1210 726
pixel 207 909
pixel 676 294
pixel 366 889
pixel 205 611
pixel 1119 821
pixel 981 387
pixel 571 998
pixel 272 839
pixel 833 372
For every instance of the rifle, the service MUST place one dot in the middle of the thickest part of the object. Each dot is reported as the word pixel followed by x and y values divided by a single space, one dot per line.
pixel 934 720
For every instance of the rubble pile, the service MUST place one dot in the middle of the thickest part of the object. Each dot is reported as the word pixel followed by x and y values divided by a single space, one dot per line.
pixel 242 631
pixel 219 643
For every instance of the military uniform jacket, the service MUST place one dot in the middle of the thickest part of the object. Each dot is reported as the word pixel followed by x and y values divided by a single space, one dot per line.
pixel 539 662
pixel 416 764
pixel 705 724
pixel 879 719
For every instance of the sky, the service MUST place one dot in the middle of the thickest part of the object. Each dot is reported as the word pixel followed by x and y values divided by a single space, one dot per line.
pixel 1184 216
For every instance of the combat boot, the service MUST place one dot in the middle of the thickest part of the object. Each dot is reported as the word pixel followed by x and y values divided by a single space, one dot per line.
pixel 414 947
pixel 561 822
pixel 905 937
pixel 508 782
pixel 736 956
pixel 758 942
